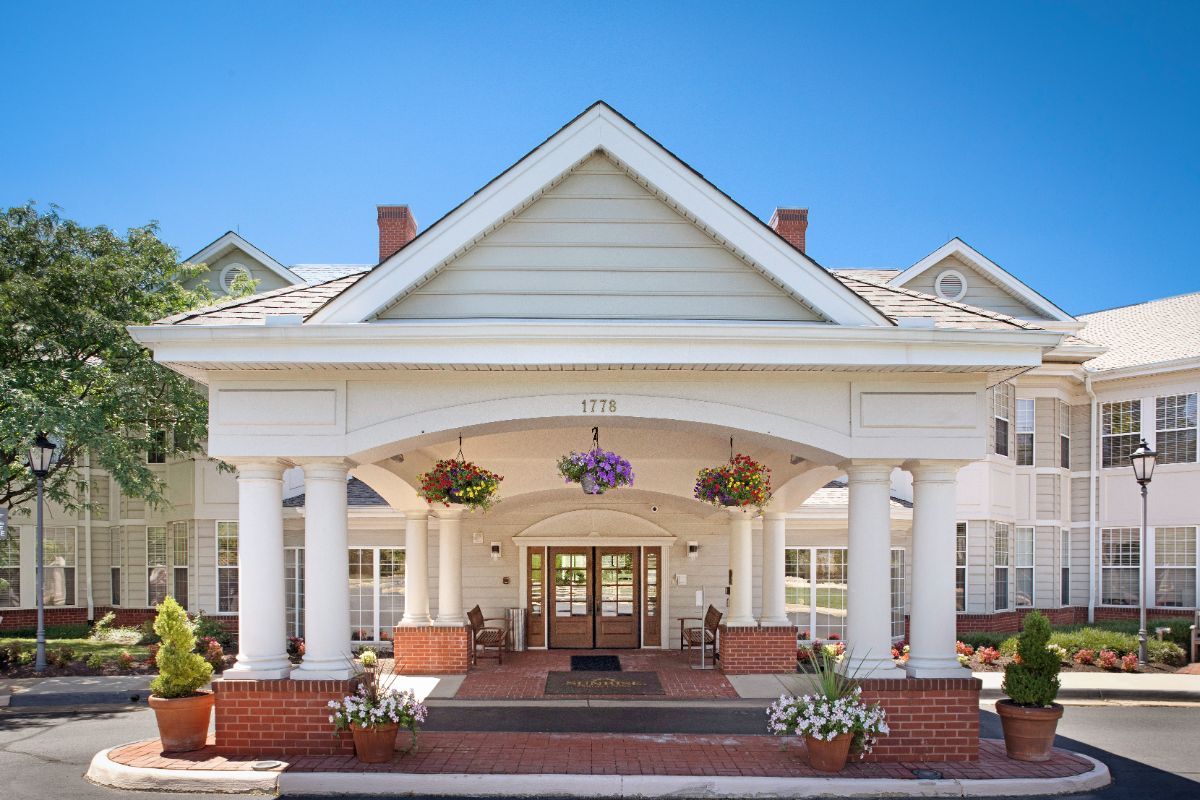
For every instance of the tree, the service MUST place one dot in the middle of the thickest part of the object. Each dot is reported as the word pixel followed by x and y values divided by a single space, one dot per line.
pixel 68 366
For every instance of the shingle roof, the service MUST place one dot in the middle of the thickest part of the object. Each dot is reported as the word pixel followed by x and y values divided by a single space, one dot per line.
pixel 319 273
pixel 303 300
pixel 836 493
pixel 1146 333
pixel 898 303
pixel 357 494
pixel 880 275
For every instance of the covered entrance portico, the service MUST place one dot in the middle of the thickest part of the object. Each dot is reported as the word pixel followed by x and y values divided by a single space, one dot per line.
pixel 600 282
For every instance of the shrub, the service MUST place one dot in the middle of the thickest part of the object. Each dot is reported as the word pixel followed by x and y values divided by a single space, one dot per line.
pixel 295 648
pixel 1107 659
pixel 1097 639
pixel 125 660
pixel 61 657
pixel 1129 662
pixel 26 657
pixel 1059 651
pixel 1085 656
pixel 152 654
pixel 96 661
pixel 103 626
pixel 1033 681
pixel 987 655
pixel 964 649
pixel 979 639
pixel 210 628
pixel 148 636
pixel 214 654
pixel 180 671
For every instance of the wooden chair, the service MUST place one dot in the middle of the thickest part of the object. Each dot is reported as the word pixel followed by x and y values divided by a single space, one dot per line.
pixel 485 637
pixel 702 636
pixel 1195 653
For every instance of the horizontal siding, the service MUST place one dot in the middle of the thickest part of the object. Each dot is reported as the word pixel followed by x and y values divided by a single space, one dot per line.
pixel 981 291
pixel 598 245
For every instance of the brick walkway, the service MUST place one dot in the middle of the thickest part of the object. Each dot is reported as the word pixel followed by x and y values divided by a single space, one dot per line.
pixel 523 675
pixel 610 754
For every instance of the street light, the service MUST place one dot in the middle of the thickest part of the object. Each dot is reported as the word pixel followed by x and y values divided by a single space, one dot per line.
pixel 1143 460
pixel 41 456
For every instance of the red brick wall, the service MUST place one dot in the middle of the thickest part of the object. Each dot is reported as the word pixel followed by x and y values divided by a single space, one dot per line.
pixel 749 651
pixel 432 650
pixel 26 618
pixel 279 718
pixel 397 227
pixel 1010 621
pixel 931 719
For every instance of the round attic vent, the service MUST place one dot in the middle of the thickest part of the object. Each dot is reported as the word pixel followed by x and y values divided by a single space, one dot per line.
pixel 231 273
pixel 950 285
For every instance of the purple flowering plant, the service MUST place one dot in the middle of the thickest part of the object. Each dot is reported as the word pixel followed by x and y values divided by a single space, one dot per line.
pixel 597 470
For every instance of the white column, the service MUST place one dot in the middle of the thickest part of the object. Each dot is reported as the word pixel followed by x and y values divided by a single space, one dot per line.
pixel 262 620
pixel 933 618
pixel 327 574
pixel 869 570
pixel 416 568
pixel 774 605
pixel 741 559
pixel 450 599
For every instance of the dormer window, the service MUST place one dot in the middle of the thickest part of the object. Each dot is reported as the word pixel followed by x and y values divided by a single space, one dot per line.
pixel 950 285
pixel 231 273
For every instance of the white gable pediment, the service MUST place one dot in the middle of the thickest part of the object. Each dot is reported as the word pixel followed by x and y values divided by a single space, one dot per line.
pixel 777 281
pixel 597 244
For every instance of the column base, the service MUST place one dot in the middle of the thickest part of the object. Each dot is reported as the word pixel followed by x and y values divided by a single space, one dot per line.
pixel 416 622
pixel 877 668
pixel 774 622
pixel 441 622
pixel 936 668
pixel 323 672
pixel 742 622
pixel 246 672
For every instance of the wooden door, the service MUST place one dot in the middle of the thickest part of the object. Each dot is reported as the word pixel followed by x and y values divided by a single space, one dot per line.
pixel 618 607
pixel 571 578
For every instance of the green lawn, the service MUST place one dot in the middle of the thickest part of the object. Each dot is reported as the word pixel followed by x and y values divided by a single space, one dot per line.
pixel 84 648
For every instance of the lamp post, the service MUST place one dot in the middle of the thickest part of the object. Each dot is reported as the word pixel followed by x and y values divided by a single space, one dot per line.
pixel 41 456
pixel 1143 460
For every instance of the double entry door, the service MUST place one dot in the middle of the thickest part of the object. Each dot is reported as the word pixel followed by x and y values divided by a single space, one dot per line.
pixel 595 597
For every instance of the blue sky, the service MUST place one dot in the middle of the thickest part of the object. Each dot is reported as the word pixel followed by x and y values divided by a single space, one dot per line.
pixel 1060 139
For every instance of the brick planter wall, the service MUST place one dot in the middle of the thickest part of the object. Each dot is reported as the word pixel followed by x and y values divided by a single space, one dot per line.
pixel 931 719
pixel 1010 621
pixel 432 650
pixel 279 718
pixel 17 619
pixel 757 650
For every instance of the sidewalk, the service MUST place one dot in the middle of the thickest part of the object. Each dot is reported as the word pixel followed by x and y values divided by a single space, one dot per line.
pixel 69 691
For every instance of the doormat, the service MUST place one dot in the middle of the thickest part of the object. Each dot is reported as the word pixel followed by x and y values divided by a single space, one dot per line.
pixel 622 683
pixel 595 664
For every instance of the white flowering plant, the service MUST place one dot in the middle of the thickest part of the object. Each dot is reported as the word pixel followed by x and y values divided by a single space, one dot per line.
pixel 373 706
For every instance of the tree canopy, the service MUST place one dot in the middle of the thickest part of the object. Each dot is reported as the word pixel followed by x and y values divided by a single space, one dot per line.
pixel 69 368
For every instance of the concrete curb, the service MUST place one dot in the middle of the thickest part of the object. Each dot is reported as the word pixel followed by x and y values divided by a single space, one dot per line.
pixel 1106 695
pixel 106 772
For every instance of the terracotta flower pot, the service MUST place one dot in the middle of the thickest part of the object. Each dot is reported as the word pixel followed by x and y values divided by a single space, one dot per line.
pixel 183 721
pixel 376 744
pixel 829 756
pixel 1028 730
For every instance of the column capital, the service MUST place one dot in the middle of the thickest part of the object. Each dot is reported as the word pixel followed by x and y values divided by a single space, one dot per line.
pixel 934 470
pixel 453 512
pixel 865 470
pixel 270 469
pixel 326 468
pixel 775 515
pixel 415 513
pixel 742 512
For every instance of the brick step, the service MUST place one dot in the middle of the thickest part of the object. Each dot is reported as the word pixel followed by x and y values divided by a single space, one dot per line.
pixel 580 719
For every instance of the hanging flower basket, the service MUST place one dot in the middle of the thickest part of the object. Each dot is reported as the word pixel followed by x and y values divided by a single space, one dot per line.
pixel 596 470
pixel 456 481
pixel 741 483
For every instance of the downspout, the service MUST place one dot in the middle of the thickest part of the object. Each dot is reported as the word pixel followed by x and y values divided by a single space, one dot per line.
pixel 87 541
pixel 1093 470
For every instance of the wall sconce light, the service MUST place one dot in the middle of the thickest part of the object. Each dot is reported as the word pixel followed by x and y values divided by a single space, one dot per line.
pixel 693 549
pixel 495 551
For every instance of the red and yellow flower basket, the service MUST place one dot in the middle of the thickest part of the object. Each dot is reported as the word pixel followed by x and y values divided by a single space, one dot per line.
pixel 455 481
pixel 741 483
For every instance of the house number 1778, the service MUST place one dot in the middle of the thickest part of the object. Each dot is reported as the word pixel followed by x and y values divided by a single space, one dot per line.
pixel 599 406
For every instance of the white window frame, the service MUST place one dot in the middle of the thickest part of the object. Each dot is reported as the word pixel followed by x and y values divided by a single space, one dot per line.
pixel 1064 567
pixel 1002 395
pixel 961 573
pixel 899 606
pixel 152 565
pixel 810 624
pixel 1002 570
pixel 294 560
pixel 173 529
pixel 1130 536
pixel 1064 436
pixel 116 567
pixel 1022 569
pixel 377 606
pixel 220 524
pixel 1026 430
pixel 12 547
pixel 1135 409
pixel 73 533
pixel 1190 403
pixel 151 435
pixel 1178 567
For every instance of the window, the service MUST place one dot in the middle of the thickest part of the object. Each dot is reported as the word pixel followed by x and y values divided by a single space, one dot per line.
pixel 1064 568
pixel 179 562
pixel 1002 397
pixel 1175 567
pixel 960 567
pixel 1121 431
pixel 1024 567
pixel 897 593
pixel 376 592
pixel 1000 565
pixel 1176 437
pixel 10 569
pixel 58 561
pixel 815 590
pixel 116 561
pixel 1120 562
pixel 227 567
pixel 293 581
pixel 156 565
pixel 1025 418
pixel 156 451
pixel 1064 436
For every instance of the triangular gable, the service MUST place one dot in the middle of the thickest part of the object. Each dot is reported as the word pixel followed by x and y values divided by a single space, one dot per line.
pixel 597 244
pixel 601 129
pixel 1020 300
pixel 229 241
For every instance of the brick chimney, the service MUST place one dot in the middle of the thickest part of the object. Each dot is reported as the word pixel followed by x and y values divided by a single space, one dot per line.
pixel 397 227
pixel 791 224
